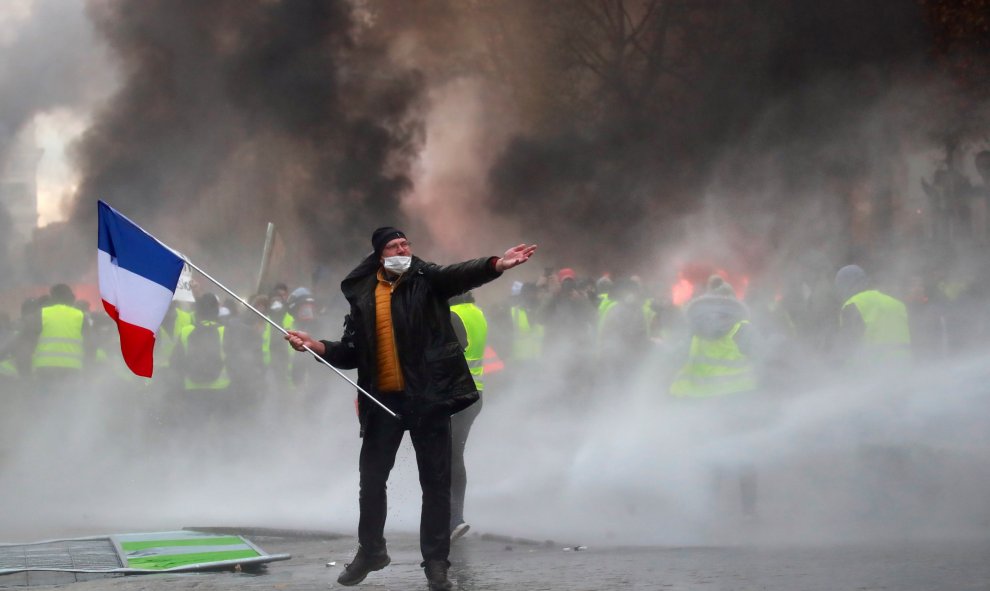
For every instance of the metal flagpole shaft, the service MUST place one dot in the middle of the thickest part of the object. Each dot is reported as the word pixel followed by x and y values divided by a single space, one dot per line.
pixel 285 332
pixel 266 256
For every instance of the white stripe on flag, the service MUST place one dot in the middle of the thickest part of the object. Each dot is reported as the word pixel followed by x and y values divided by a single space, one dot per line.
pixel 146 302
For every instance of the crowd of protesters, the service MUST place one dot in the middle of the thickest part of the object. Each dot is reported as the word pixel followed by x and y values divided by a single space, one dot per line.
pixel 578 326
pixel 215 360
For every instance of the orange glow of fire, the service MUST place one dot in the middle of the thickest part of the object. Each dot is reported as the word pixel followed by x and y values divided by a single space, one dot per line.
pixel 681 292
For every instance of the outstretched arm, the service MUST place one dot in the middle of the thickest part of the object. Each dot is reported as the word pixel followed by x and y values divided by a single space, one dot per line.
pixel 516 255
pixel 451 280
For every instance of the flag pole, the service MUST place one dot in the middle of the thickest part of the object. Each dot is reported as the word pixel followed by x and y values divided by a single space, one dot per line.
pixel 266 256
pixel 282 330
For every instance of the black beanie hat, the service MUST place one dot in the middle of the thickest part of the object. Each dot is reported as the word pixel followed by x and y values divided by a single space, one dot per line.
pixel 382 236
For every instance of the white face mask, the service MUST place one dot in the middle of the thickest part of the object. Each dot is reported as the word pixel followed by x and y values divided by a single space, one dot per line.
pixel 397 265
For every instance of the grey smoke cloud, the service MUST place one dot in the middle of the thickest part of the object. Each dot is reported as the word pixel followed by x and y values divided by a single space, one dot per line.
pixel 248 112
pixel 48 59
pixel 313 114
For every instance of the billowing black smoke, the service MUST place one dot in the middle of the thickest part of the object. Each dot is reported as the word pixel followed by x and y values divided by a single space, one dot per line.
pixel 233 113
pixel 632 114
pixel 668 98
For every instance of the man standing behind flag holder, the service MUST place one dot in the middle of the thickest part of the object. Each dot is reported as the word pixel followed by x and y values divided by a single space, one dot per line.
pixel 399 336
pixel 200 359
pixel 471 328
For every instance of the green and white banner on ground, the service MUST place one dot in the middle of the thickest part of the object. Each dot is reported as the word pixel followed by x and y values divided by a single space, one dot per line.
pixel 186 550
pixel 158 552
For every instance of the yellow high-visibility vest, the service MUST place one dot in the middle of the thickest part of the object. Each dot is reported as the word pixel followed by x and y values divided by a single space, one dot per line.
pixel 266 345
pixel 477 334
pixel 604 305
pixel 289 323
pixel 221 382
pixel 715 368
pixel 527 342
pixel 60 343
pixel 166 340
pixel 887 332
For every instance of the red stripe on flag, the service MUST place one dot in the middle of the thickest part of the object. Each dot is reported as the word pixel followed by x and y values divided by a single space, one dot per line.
pixel 111 310
pixel 137 344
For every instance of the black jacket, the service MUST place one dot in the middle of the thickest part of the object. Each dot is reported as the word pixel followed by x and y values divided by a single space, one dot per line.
pixel 431 358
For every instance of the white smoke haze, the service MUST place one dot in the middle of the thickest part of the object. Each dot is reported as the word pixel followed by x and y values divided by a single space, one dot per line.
pixel 54 132
pixel 597 459
pixel 616 463
pixel 462 142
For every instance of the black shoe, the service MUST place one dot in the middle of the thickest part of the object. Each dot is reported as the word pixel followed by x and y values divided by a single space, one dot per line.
pixel 364 563
pixel 436 575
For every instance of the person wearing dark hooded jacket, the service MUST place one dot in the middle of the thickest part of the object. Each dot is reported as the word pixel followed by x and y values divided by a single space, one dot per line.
pixel 399 337
pixel 719 370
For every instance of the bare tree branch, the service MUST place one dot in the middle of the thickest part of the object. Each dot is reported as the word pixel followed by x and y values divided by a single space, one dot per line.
pixel 638 28
pixel 605 26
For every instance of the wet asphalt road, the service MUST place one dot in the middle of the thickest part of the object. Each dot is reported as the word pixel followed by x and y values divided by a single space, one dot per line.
pixel 490 563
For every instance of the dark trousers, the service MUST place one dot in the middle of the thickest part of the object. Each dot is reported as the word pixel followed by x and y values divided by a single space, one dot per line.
pixel 460 427
pixel 431 440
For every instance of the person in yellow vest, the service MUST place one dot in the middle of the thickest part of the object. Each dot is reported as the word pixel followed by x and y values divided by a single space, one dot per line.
pixel 277 297
pixel 399 337
pixel 874 335
pixel 722 345
pixel 527 327
pixel 622 332
pixel 200 358
pixel 166 340
pixel 604 302
pixel 720 371
pixel 472 332
pixel 301 315
pixel 281 358
pixel 873 326
pixel 58 338
pixel 188 358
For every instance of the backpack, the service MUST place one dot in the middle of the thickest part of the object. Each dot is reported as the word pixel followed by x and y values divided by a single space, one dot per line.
pixel 204 359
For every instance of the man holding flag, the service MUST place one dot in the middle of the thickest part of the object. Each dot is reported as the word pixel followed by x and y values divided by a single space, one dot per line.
pixel 399 337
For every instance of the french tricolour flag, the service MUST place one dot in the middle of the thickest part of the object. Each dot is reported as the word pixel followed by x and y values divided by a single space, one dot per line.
pixel 138 276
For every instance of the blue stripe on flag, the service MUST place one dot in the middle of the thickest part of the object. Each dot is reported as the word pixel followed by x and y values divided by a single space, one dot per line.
pixel 135 250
